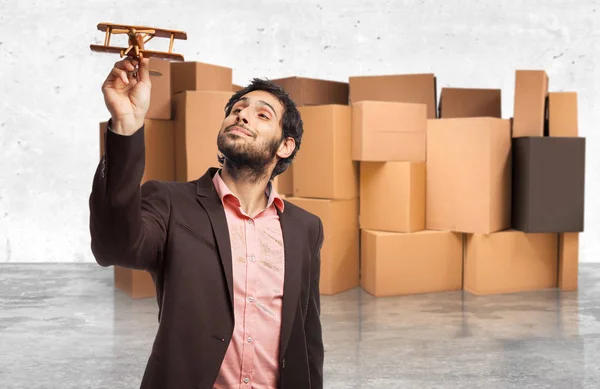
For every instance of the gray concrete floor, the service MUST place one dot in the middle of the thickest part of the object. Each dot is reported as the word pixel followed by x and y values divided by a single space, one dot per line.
pixel 65 326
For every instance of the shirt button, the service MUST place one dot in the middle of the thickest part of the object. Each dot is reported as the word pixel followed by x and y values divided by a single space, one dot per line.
pixel 250 221
pixel 249 340
pixel 246 380
pixel 252 258
pixel 251 299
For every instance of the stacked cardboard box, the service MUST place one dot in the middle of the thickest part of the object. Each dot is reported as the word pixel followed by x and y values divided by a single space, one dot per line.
pixel 511 191
pixel 324 177
pixel 414 197
pixel 504 198
pixel 548 168
pixel 308 92
pixel 200 92
pixel 389 139
pixel 184 117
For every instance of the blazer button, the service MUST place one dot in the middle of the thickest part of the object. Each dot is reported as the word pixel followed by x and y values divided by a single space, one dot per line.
pixel 283 363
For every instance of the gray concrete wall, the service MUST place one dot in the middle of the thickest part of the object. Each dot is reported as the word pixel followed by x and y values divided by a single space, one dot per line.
pixel 50 81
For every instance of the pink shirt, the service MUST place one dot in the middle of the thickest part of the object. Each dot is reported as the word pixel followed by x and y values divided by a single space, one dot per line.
pixel 252 359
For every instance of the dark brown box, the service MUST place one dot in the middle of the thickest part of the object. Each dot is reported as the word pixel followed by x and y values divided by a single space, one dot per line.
pixel 470 102
pixel 402 88
pixel 311 91
pixel 548 184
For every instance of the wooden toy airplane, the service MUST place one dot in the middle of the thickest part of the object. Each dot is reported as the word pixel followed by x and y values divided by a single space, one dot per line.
pixel 138 36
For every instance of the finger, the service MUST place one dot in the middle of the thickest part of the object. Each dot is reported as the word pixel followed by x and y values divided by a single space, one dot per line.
pixel 120 74
pixel 144 72
pixel 126 64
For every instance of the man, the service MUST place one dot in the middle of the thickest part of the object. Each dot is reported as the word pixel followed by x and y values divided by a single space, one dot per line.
pixel 236 267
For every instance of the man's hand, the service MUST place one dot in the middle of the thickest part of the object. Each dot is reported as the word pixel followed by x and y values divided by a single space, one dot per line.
pixel 127 97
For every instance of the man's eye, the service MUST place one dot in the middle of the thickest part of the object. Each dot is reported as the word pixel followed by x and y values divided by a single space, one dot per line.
pixel 263 116
pixel 237 110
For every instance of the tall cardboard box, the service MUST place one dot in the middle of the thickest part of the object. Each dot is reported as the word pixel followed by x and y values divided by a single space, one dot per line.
pixel 530 103
pixel 340 251
pixel 470 102
pixel 563 114
pixel 328 135
pixel 392 196
pixel 160 94
pixel 394 264
pixel 388 131
pixel 198 119
pixel 311 91
pixel 402 88
pixel 198 76
pixel 548 184
pixel 568 261
pixel 468 186
pixel 285 181
pixel 159 139
pixel 510 261
pixel 137 284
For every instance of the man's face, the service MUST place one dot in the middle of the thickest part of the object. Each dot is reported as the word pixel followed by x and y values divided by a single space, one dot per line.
pixel 250 137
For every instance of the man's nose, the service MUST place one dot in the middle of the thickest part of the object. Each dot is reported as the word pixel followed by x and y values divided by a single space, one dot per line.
pixel 242 116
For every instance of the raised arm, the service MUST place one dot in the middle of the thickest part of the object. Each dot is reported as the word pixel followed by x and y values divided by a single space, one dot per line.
pixel 127 222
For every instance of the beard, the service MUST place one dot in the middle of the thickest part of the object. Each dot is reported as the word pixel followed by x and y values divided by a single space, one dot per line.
pixel 248 161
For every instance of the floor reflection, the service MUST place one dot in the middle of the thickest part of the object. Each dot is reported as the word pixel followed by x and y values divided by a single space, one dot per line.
pixel 66 325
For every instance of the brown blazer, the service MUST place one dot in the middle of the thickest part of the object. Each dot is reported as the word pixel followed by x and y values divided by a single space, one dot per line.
pixel 178 232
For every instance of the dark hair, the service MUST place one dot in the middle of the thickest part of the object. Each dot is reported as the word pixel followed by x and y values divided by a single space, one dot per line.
pixel 291 122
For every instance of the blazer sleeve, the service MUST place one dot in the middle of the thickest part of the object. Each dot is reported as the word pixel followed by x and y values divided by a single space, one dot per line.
pixel 128 223
pixel 312 325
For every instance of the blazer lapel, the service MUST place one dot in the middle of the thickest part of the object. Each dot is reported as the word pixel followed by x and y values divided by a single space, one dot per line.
pixel 292 277
pixel 210 201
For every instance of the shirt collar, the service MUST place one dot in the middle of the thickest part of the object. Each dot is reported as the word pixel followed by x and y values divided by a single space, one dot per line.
pixel 273 197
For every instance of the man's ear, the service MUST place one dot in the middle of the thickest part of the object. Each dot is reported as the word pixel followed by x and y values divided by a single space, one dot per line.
pixel 286 148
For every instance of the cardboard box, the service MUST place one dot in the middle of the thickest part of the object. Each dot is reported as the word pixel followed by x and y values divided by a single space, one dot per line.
pixel 159 140
pixel 328 135
pixel 198 119
pixel 402 88
pixel 392 196
pixel 160 94
pixel 311 91
pixel 137 284
pixel 235 88
pixel 395 264
pixel 340 251
pixel 388 131
pixel 469 102
pixel 531 94
pixel 198 76
pixel 468 186
pixel 510 261
pixel 548 184
pixel 568 261
pixel 563 114
pixel 285 181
